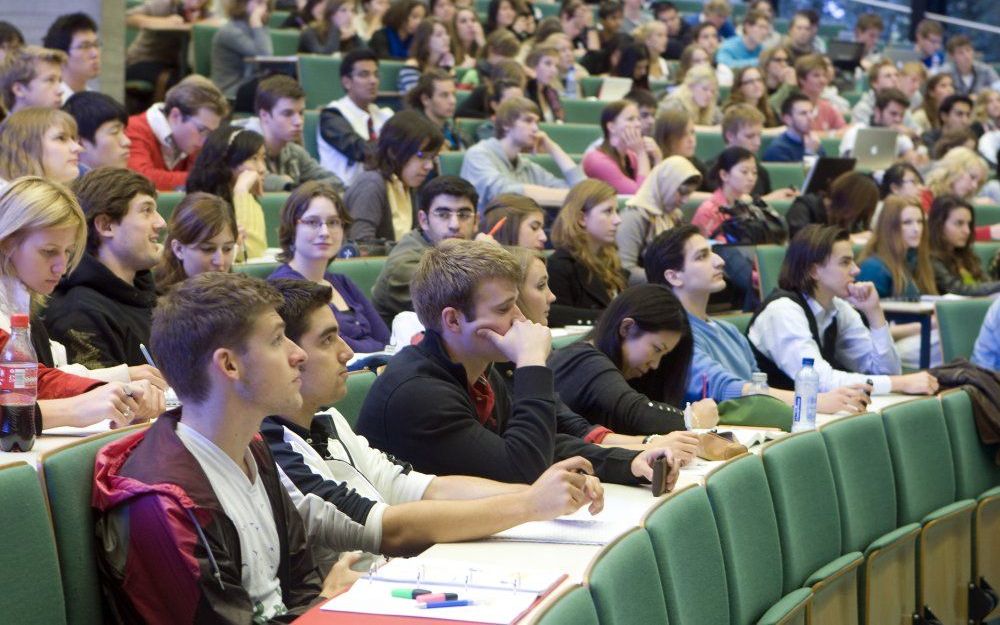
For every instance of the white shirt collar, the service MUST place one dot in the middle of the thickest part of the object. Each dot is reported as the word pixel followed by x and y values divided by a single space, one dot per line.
pixel 161 129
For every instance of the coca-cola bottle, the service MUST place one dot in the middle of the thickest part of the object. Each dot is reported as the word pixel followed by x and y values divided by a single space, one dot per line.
pixel 18 388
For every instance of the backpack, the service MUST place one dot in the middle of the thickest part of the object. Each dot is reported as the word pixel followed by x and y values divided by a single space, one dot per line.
pixel 755 223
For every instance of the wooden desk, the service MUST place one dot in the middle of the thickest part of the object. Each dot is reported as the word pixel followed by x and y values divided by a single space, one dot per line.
pixel 908 312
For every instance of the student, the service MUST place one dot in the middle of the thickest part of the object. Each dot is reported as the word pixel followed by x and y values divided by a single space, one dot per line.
pixel 850 204
pixel 164 27
pixel 743 126
pixel 353 496
pixel 333 31
pixel 102 311
pixel 744 50
pixel 653 35
pixel 897 257
pixel 674 132
pixel 10 39
pixel 447 211
pixel 734 176
pixel 201 236
pixel 543 61
pixel 498 165
pixel 244 36
pixel 101 121
pixel 634 16
pixel 39 142
pixel 889 111
pixel 633 63
pixel 798 140
pixel 469 35
pixel 716 13
pixel 961 172
pixel 350 125
pixel 749 88
pixel 232 166
pixel 234 546
pixel 813 78
pixel 434 96
pixel 368 20
pixel 646 102
pixel 697 95
pixel 667 13
pixel 400 21
pixel 625 157
pixel 954 115
pixel 167 137
pixel 814 314
pixel 31 76
pixel 655 208
pixel 523 221
pixel 969 75
pixel 75 34
pixel 629 373
pixel 40 215
pixel 986 352
pixel 431 49
pixel 442 406
pixel 381 196
pixel 868 29
pixel 986 114
pixel 313 221
pixel 802 39
pixel 585 272
pixel 723 362
pixel 501 70
pixel 957 269
pixel 930 37
pixel 881 76
pixel 901 179
pixel 280 105
pixel 935 90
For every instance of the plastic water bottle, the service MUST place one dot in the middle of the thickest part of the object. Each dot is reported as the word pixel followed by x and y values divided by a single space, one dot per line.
pixel 18 388
pixel 758 383
pixel 570 83
pixel 806 389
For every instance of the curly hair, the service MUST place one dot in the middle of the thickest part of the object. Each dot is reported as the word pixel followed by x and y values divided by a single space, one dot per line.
pixel 224 150
pixel 568 234
pixel 955 163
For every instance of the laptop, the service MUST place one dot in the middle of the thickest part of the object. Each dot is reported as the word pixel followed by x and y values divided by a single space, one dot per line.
pixel 614 88
pixel 875 148
pixel 845 55
pixel 825 170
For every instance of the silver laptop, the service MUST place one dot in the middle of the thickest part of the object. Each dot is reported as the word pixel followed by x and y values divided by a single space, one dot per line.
pixel 875 148
pixel 614 88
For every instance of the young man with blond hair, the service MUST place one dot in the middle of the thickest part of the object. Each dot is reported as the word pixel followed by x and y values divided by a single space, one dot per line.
pixel 31 76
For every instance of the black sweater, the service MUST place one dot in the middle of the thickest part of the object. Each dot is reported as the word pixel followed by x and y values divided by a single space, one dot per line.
pixel 99 318
pixel 580 296
pixel 594 388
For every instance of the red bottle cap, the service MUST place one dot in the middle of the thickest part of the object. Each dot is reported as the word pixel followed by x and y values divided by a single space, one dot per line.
pixel 19 321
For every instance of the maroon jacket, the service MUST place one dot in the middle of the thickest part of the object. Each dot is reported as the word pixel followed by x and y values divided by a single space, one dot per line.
pixel 170 554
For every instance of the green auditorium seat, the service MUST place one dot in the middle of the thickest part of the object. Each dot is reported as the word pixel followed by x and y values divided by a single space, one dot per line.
pixel 362 271
pixel 320 78
pixel 310 128
pixel 958 324
pixel 987 214
pixel 272 203
pixel 780 206
pixel 831 145
pixel 468 126
pixel 625 583
pixel 751 546
pixel 986 251
pixel 167 201
pixel 590 86
pixel 976 477
pixel 284 41
pixel 709 144
pixel 563 341
pixel 388 74
pixel 769 260
pixel 916 432
pixel 259 270
pixel 548 9
pixel 572 607
pixel 69 474
pixel 689 557
pixel 277 18
pixel 549 163
pixel 572 138
pixel 451 163
pixel 785 175
pixel 29 567
pixel 358 383
pixel 805 506
pixel 578 111
pixel 201 41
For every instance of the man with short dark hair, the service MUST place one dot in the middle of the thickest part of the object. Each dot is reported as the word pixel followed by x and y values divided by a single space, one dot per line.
pixel 76 35
pixel 798 140
pixel 677 28
pixel 101 121
pixel 868 30
pixel 194 524
pixel 353 496
pixel 954 116
pixel 890 110
pixel 434 96
pixel 350 125
pixel 967 74
pixel 102 311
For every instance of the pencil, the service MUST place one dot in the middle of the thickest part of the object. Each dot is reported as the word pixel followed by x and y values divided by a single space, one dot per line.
pixel 496 227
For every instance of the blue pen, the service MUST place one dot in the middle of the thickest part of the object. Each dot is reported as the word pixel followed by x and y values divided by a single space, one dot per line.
pixel 446 604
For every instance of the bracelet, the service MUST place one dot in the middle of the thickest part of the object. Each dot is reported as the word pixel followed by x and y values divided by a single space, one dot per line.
pixel 650 438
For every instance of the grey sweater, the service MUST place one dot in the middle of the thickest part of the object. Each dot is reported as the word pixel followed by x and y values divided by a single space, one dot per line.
pixel 391 293
pixel 368 204
pixel 231 45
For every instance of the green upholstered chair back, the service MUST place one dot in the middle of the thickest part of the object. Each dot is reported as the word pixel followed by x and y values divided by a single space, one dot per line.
pixel 780 206
pixel 583 111
pixel 272 203
pixel 451 163
pixel 785 175
pixel 987 215
pixel 862 470
pixel 310 133
pixel 69 475
pixel 709 145
pixel 769 260
pixel 975 469
pixel 201 39
pixel 689 556
pixel 29 566
pixel 284 41
pixel 574 607
pixel 257 270
pixel 744 516
pixel 358 384
pixel 740 320
pixel 320 77
pixel 921 458
pixel 362 271
pixel 573 138
pixel 805 505
pixel 958 324
pixel 625 583
pixel 167 201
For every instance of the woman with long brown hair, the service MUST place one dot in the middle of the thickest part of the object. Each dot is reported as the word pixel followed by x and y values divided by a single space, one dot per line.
pixel 936 89
pixel 749 87
pixel 625 157
pixel 957 269
pixel 333 31
pixel 201 237
pixel 897 258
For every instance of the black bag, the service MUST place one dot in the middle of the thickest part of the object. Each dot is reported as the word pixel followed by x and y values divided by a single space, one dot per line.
pixel 751 224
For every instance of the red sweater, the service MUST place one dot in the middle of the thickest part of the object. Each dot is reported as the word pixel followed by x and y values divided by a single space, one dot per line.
pixel 146 158
pixel 56 384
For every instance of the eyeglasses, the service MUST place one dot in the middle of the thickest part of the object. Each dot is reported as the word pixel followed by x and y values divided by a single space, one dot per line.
pixel 315 223
pixel 463 214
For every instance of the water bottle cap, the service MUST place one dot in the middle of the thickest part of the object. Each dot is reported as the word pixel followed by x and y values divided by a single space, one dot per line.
pixel 19 321
pixel 808 362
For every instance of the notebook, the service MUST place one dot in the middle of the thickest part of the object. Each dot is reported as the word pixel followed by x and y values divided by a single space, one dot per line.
pixel 614 88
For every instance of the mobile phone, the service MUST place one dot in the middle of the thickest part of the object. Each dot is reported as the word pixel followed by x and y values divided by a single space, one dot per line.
pixel 661 471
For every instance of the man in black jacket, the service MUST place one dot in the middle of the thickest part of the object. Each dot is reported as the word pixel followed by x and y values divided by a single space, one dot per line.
pixel 104 309
pixel 442 406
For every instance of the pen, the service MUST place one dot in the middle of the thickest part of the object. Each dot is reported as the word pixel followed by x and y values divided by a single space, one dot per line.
pixel 145 354
pixel 409 593
pixel 445 604
pixel 496 227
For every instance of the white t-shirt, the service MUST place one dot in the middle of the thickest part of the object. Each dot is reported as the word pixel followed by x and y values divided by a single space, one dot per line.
pixel 246 504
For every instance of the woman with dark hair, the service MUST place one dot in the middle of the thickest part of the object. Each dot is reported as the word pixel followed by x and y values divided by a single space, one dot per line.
pixel 585 271
pixel 311 233
pixel 748 86
pixel 201 237
pixel 431 49
pixel 523 221
pixel 308 13
pixel 243 36
pixel 393 41
pixel 936 89
pixel 501 14
pixel 816 313
pixel 232 166
pixel 734 175
pixel 629 373
pixel 901 179
pixel 380 198
pixel 850 205
pixel 468 35
pixel 633 62
pixel 957 269
pixel 625 157
pixel 368 19
pixel 331 32
pixel 543 60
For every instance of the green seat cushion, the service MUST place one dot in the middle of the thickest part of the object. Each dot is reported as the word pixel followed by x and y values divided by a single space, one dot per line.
pixel 833 567
pixel 788 604
pixel 574 608
pixel 892 537
pixel 952 508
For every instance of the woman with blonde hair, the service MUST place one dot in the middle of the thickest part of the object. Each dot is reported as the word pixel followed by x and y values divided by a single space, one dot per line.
pixel 585 272
pixel 655 208
pixel 41 142
pixel 43 235
pixel 697 95
pixel 654 36
pixel 986 114
pixel 201 237
pixel 961 172
pixel 523 221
